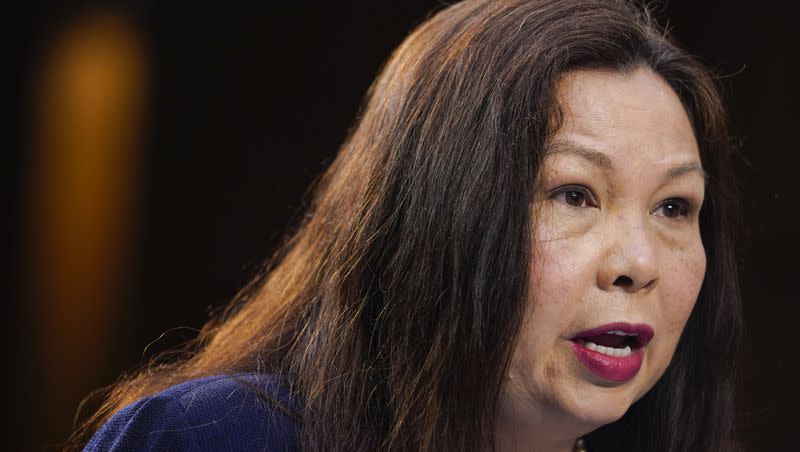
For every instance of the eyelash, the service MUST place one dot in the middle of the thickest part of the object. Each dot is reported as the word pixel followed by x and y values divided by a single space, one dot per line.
pixel 684 207
pixel 562 191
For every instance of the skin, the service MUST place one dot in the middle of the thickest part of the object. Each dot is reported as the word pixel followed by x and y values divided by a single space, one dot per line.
pixel 615 240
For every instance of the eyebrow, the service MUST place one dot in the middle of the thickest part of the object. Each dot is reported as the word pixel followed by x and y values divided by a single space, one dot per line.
pixel 598 158
pixel 602 160
pixel 686 168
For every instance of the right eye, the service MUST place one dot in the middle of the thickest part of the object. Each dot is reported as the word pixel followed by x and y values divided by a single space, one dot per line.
pixel 574 196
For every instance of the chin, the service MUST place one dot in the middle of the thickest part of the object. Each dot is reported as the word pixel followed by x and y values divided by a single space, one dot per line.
pixel 595 405
pixel 596 418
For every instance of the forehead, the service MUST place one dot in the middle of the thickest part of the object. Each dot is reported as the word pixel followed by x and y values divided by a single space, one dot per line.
pixel 630 117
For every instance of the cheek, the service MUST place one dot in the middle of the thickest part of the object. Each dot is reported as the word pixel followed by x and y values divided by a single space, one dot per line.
pixel 554 287
pixel 549 272
pixel 558 277
pixel 561 261
pixel 558 281
pixel 682 281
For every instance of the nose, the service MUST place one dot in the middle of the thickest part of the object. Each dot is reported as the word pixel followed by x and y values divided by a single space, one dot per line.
pixel 629 261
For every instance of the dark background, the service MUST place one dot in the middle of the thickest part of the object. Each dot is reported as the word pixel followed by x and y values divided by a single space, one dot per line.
pixel 244 108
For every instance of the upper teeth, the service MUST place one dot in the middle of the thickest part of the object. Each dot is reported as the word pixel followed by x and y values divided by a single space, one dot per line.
pixel 608 350
pixel 621 333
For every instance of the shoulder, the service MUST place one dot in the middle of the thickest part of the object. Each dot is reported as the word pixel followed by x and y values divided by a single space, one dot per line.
pixel 230 412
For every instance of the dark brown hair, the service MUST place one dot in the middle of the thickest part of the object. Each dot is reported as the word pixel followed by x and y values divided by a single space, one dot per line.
pixel 394 308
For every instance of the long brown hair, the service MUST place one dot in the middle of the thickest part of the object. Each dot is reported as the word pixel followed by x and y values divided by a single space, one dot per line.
pixel 394 308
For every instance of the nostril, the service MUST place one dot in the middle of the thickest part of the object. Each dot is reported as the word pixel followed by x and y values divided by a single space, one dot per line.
pixel 623 281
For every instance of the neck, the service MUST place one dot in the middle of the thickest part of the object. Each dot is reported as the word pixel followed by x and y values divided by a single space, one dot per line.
pixel 515 441
pixel 542 433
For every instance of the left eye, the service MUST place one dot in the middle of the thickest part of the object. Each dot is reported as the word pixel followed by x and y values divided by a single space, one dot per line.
pixel 574 196
pixel 674 208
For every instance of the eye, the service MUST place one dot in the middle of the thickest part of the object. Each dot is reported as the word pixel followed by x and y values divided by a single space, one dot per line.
pixel 575 196
pixel 674 208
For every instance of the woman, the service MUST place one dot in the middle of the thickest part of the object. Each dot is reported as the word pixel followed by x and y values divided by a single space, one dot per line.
pixel 524 244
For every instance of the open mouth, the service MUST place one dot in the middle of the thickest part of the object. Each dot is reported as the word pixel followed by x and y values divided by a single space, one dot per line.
pixel 613 343
pixel 613 352
pixel 616 339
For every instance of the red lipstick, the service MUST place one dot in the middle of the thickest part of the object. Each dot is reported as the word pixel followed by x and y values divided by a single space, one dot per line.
pixel 614 351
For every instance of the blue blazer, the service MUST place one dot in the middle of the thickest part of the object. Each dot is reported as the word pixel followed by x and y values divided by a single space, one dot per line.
pixel 220 413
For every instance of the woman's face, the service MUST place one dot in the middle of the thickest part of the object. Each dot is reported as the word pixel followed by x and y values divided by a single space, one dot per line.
pixel 617 253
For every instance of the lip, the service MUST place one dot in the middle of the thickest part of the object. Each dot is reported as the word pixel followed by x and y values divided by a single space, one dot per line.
pixel 644 333
pixel 613 368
